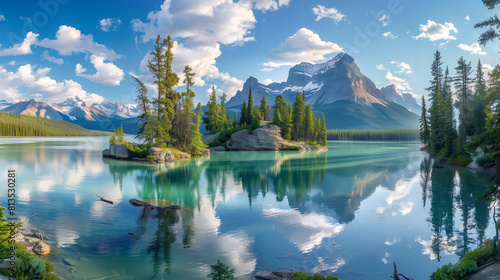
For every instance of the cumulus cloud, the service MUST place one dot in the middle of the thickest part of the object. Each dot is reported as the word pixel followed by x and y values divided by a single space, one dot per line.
pixel 202 28
pixel 384 19
pixel 472 49
pixel 332 13
pixel 266 69
pixel 467 17
pixel 487 67
pixel 107 73
pixel 398 82
pixel 380 67
pixel 2 18
pixel 47 57
pixel 109 24
pixel 437 31
pixel 403 67
pixel 22 48
pixel 35 83
pixel 70 40
pixel 389 35
pixel 303 46
pixel 266 5
pixel 267 82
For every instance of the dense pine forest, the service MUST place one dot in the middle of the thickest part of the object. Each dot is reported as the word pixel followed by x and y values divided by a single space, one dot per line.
pixel 21 125
pixel 372 134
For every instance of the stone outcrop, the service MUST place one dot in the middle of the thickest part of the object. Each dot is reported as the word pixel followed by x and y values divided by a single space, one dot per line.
pixel 33 242
pixel 276 275
pixel 266 138
pixel 117 151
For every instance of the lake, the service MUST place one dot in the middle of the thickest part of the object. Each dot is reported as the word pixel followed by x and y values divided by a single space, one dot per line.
pixel 349 212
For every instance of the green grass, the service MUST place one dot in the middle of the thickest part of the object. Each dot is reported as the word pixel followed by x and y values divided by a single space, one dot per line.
pixel 373 134
pixel 28 126
pixel 461 160
pixel 225 135
pixel 299 275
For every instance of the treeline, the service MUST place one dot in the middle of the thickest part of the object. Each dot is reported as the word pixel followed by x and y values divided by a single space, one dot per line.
pixel 169 120
pixel 475 102
pixel 372 134
pixel 296 120
pixel 21 125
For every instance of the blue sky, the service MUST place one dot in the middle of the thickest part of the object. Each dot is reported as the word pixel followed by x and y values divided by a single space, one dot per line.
pixel 54 49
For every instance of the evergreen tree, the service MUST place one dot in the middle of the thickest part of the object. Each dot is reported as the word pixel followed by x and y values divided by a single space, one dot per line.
pixel 463 82
pixel 437 74
pixel 243 117
pixel 309 124
pixel 323 130
pixel 223 118
pixel 145 118
pixel 249 114
pixel 450 132
pixel 257 116
pixel 121 134
pixel 269 113
pixel 263 107
pixel 286 124
pixel 279 104
pixel 478 102
pixel 298 116
pixel 424 125
pixel 235 121
pixel 196 146
pixel 436 120
pixel 189 119
pixel 212 115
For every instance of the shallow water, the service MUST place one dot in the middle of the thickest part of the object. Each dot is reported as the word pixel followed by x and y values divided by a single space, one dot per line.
pixel 349 212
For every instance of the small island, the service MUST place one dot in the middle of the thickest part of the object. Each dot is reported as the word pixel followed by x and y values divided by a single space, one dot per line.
pixel 169 125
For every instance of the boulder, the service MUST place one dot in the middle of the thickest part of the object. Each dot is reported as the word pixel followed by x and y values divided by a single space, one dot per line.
pixel 184 155
pixel 118 151
pixel 217 149
pixel 33 242
pixel 208 138
pixel 266 138
pixel 106 153
pixel 276 275
pixel 206 152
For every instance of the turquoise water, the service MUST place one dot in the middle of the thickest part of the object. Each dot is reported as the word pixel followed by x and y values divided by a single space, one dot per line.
pixel 349 212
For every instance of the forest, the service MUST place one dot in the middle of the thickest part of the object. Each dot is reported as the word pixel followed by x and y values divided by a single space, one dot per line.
pixel 373 134
pixel 28 126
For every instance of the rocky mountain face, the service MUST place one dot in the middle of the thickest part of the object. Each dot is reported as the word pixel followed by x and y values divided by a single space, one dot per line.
pixel 405 99
pixel 35 109
pixel 338 89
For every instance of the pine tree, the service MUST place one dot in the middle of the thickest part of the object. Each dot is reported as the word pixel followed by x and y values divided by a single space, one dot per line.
pixel 189 119
pixel 479 102
pixel 424 125
pixel 196 146
pixel 436 120
pixel 222 117
pixel 437 74
pixel 249 114
pixel 211 116
pixel 121 134
pixel 235 121
pixel 279 104
pixel 269 113
pixel 243 117
pixel 298 116
pixel 263 107
pixel 323 130
pixel 309 124
pixel 450 133
pixel 463 82
pixel 286 124
pixel 145 118
pixel 257 115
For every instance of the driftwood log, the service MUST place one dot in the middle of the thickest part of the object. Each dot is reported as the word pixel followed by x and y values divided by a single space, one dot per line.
pixel 102 198
pixel 137 202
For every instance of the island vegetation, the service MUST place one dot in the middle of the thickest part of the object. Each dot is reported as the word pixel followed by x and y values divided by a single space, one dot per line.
pixel 401 134
pixel 29 126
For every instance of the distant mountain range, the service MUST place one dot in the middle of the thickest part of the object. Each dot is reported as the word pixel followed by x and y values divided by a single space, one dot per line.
pixel 338 89
pixel 103 116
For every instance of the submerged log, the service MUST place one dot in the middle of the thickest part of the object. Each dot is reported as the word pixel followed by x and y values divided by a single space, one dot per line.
pixel 137 202
pixel 102 198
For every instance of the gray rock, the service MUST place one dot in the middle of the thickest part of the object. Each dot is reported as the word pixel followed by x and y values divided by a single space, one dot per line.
pixel 106 153
pixel 275 275
pixel 206 152
pixel 118 151
pixel 266 138
pixel 158 153
pixel 33 242
pixel 217 149
pixel 208 138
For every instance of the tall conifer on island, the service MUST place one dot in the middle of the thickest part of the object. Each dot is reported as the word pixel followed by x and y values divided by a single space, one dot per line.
pixel 298 116
pixel 463 82
pixel 249 113
pixel 243 117
pixel 478 102
pixel 450 131
pixel 424 125
pixel 195 145
pixel 146 129
pixel 263 107
pixel 189 119
pixel 323 130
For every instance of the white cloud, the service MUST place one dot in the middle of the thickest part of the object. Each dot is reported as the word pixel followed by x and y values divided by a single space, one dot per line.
pixel 437 31
pixel 267 82
pixel 487 67
pixel 398 82
pixel 467 17
pixel 22 48
pixel 47 57
pixel 332 13
pixel 266 69
pixel 472 49
pixel 70 40
pixel 203 28
pixel 405 207
pixel 384 19
pixel 380 67
pixel 109 24
pixel 2 18
pixel 266 5
pixel 36 83
pixel 403 67
pixel 303 46
pixel 389 35
pixel 107 73
pixel 13 62
pixel 392 242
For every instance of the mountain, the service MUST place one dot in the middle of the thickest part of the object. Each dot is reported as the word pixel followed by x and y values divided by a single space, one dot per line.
pixel 336 88
pixel 35 109
pixel 119 110
pixel 405 99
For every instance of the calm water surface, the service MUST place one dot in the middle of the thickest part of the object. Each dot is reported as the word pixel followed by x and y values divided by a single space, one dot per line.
pixel 349 212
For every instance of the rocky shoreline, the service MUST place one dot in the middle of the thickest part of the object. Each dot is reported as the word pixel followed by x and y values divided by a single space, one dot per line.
pixel 120 151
